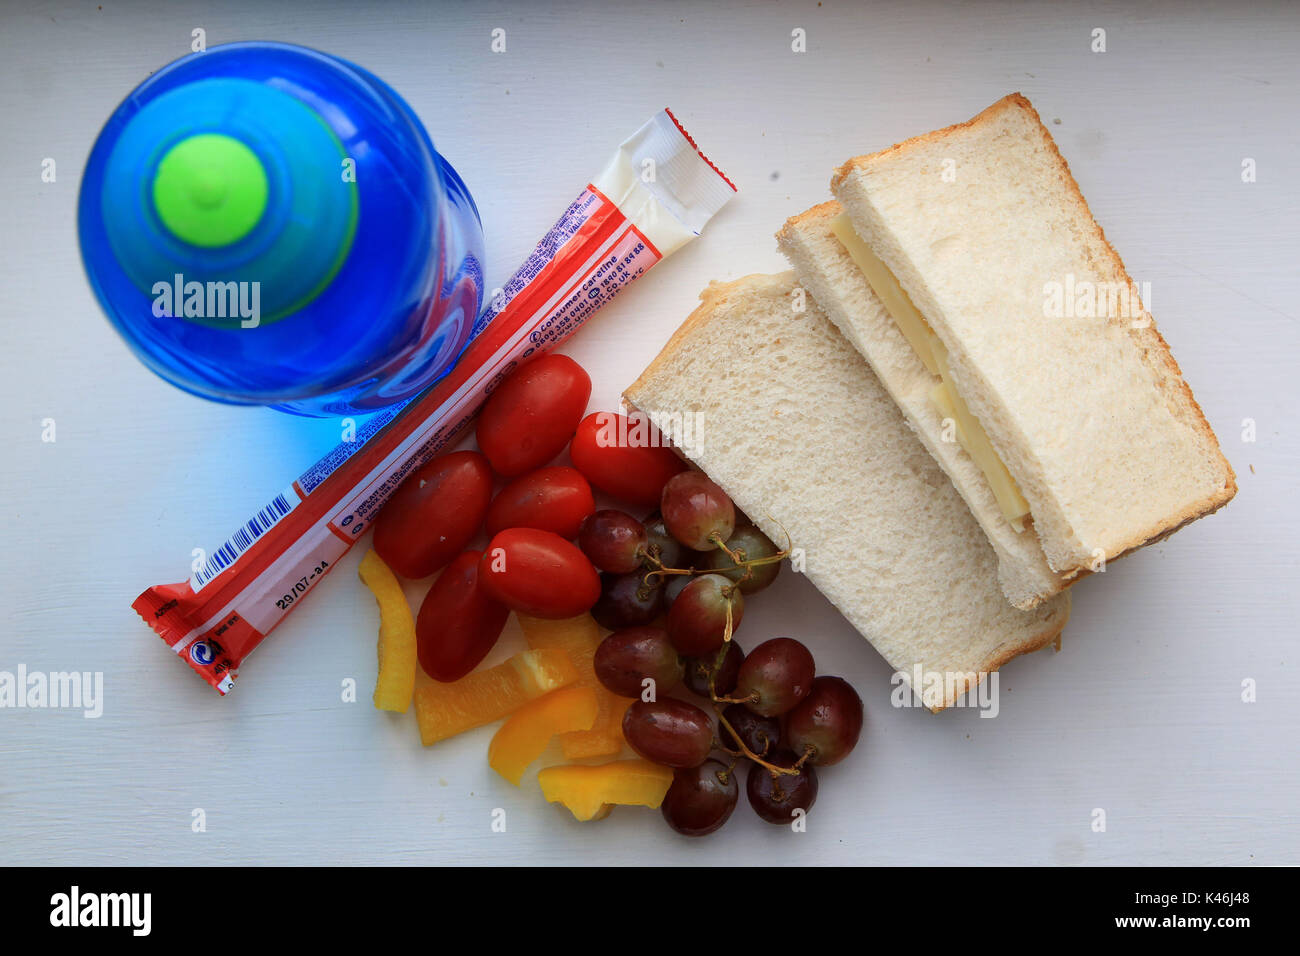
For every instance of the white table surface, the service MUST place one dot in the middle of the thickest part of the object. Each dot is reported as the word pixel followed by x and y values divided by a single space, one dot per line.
pixel 1139 714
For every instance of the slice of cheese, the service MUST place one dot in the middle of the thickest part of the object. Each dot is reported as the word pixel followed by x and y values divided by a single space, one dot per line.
pixel 975 440
pixel 891 294
pixel 934 357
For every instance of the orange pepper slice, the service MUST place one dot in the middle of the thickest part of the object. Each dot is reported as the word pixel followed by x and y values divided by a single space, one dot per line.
pixel 444 710
pixel 397 645
pixel 579 637
pixel 606 735
pixel 588 791
pixel 525 735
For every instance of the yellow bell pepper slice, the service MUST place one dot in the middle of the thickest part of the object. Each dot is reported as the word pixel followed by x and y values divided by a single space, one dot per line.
pixel 444 710
pixel 525 735
pixel 579 637
pixel 588 791
pixel 398 660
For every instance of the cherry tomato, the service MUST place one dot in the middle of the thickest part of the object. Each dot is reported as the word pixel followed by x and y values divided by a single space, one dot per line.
pixel 550 499
pixel 458 624
pixel 434 514
pixel 538 573
pixel 627 458
pixel 532 414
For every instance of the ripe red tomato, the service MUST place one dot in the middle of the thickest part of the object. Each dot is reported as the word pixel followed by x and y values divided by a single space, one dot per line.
pixel 550 499
pixel 626 458
pixel 458 624
pixel 538 573
pixel 532 414
pixel 434 514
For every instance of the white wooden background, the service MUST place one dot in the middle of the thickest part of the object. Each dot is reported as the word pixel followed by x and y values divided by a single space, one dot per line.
pixel 1139 714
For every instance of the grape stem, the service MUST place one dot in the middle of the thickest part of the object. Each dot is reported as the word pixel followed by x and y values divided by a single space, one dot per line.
pixel 660 570
pixel 724 776
pixel 745 751
pixel 713 693
pixel 738 560
pixel 717 666
pixel 727 750
pixel 737 557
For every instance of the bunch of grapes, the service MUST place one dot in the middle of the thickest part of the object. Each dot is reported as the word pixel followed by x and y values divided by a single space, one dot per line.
pixel 698 559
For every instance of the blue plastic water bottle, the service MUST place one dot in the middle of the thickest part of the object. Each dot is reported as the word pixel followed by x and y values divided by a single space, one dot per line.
pixel 267 224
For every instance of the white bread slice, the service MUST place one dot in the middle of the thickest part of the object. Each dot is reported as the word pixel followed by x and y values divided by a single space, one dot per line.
pixel 1090 415
pixel 826 269
pixel 802 436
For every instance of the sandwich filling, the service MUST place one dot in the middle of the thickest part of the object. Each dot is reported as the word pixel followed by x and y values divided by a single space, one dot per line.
pixel 934 357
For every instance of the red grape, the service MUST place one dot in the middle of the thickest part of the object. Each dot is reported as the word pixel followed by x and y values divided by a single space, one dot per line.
pixel 696 511
pixel 748 544
pixel 659 543
pixel 825 724
pixel 760 734
pixel 668 732
pixel 701 798
pixel 775 676
pixel 697 620
pixel 613 540
pixel 674 584
pixel 626 658
pixel 775 797
pixel 698 670
pixel 627 601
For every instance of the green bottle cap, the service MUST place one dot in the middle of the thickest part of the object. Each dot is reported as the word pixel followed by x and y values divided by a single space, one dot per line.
pixel 231 180
pixel 210 190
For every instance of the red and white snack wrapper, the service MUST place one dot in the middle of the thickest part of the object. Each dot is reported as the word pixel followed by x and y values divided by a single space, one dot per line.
pixel 654 196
